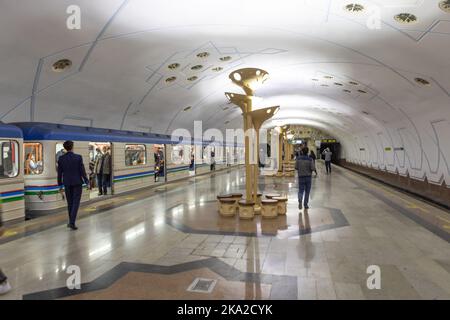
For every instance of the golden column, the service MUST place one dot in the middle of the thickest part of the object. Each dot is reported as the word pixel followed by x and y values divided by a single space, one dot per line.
pixel 248 79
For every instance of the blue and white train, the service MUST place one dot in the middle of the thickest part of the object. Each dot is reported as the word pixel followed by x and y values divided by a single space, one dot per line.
pixel 29 153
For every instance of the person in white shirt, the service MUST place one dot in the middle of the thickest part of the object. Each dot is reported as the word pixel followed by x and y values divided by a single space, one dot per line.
pixel 327 153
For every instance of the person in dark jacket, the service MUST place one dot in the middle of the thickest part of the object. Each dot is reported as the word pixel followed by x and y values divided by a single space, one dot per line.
pixel 304 166
pixel 71 175
pixel 4 283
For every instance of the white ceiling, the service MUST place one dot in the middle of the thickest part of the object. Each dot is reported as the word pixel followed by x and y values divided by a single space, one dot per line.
pixel 121 53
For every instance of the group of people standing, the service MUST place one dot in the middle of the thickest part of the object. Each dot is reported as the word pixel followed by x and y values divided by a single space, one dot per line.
pixel 101 168
pixel 305 165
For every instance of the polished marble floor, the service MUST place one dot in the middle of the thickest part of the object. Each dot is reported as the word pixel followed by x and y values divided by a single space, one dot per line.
pixel 160 243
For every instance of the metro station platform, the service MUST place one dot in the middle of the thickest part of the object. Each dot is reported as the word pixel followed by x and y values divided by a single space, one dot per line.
pixel 169 242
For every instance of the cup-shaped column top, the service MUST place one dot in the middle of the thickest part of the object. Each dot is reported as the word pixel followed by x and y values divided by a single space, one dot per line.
pixel 249 78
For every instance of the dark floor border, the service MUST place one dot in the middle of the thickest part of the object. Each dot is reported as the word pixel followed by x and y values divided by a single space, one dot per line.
pixel 283 287
pixel 336 214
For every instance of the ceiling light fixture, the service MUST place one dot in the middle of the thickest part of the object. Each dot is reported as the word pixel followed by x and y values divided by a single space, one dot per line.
pixel 197 67
pixel 353 83
pixel 62 65
pixel 405 18
pixel 171 79
pixel 422 81
pixel 354 7
pixel 362 91
pixel 217 69
pixel 187 108
pixel 226 58
pixel 445 6
pixel 338 84
pixel 203 54
pixel 173 66
pixel 193 78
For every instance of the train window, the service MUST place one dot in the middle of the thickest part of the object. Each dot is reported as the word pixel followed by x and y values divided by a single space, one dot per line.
pixel 33 158
pixel 9 159
pixel 135 154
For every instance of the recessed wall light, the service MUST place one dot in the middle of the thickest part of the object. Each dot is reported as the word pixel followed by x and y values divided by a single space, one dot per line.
pixel 226 58
pixel 197 67
pixel 422 81
pixel 324 85
pixel 217 69
pixel 405 18
pixel 171 79
pixel 338 84
pixel 187 108
pixel 227 122
pixel 445 6
pixel 173 66
pixel 203 54
pixel 362 91
pixel 354 7
pixel 345 90
pixel 193 78
pixel 328 77
pixel 365 112
pixel 315 79
pixel 62 65
pixel 353 83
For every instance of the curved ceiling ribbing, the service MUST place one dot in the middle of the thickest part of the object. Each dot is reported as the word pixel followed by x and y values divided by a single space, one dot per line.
pixel 120 58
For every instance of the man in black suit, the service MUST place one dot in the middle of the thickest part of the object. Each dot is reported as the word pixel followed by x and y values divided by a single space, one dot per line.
pixel 71 175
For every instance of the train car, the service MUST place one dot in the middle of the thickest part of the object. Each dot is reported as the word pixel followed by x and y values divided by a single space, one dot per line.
pixel 12 204
pixel 133 161
pixel 202 164
pixel 179 159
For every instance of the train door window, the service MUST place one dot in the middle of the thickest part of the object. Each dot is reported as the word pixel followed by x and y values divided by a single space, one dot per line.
pixel 59 152
pixel 100 168
pixel 177 154
pixel 34 157
pixel 9 159
pixel 158 153
pixel 135 154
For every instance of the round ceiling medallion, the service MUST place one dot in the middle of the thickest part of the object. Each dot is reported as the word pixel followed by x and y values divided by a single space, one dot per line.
pixel 62 65
pixel 203 54
pixel 405 18
pixel 445 6
pixel 197 67
pixel 173 66
pixel 171 79
pixel 422 81
pixel 354 7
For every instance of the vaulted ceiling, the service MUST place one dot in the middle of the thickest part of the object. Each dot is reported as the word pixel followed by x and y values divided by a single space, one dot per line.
pixel 159 65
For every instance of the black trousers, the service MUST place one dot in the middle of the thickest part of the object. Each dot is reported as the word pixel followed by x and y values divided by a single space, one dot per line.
pixel 106 181
pixel 100 182
pixel 2 277
pixel 328 166
pixel 73 196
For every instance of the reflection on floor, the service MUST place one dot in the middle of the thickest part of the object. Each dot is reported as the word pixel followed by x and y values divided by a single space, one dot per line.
pixel 175 240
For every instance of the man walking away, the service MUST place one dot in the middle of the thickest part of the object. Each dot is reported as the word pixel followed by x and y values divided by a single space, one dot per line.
pixel 71 175
pixel 4 284
pixel 327 153
pixel 304 166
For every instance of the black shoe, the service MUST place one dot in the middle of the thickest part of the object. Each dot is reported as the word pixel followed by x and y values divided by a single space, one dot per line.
pixel 306 207
pixel 299 206
pixel 73 227
pixel 68 225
